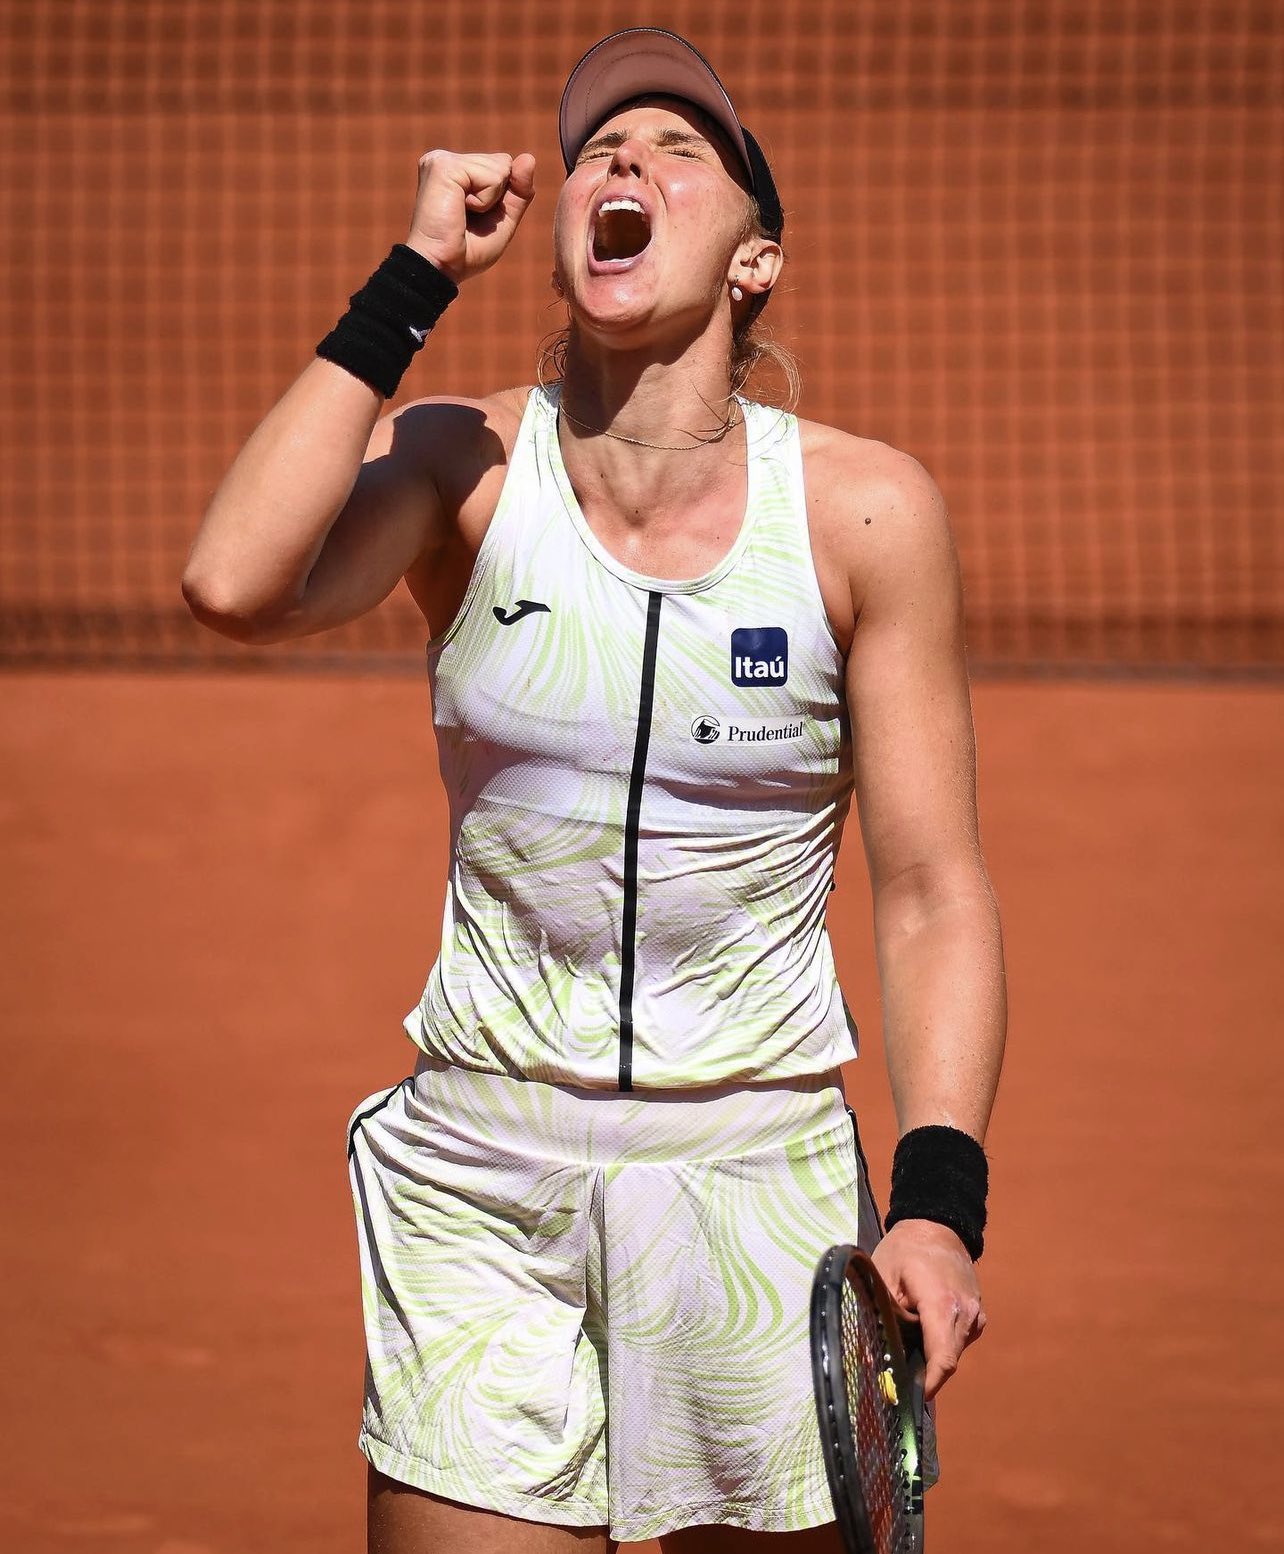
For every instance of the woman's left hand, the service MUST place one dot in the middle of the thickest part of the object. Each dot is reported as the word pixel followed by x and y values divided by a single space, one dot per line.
pixel 931 1277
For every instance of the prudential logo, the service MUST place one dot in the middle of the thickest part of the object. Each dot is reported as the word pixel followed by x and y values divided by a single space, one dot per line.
pixel 759 655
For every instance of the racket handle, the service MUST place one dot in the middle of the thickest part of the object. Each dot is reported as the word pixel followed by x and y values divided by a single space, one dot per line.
pixel 916 1361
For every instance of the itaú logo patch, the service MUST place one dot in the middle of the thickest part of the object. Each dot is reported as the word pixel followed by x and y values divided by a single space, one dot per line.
pixel 759 655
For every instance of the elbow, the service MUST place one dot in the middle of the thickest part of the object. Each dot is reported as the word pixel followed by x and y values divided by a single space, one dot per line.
pixel 217 604
pixel 915 897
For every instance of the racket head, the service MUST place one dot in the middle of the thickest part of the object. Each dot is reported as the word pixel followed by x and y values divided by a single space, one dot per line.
pixel 867 1369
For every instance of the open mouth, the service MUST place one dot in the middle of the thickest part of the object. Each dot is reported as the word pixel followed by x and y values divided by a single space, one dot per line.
pixel 621 230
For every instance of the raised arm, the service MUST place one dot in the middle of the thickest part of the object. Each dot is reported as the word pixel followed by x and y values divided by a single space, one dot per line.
pixel 936 922
pixel 326 507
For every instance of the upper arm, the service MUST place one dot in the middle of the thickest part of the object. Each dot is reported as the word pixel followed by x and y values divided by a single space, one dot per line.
pixel 907 689
pixel 402 511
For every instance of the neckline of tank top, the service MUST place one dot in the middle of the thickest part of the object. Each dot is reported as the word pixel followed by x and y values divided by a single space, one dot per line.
pixel 754 440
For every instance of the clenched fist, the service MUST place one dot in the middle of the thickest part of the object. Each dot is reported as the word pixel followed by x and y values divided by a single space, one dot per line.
pixel 468 207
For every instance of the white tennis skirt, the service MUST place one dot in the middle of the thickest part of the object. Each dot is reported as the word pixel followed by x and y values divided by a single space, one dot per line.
pixel 590 1308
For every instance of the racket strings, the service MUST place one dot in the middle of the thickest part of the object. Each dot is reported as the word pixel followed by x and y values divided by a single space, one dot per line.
pixel 876 1425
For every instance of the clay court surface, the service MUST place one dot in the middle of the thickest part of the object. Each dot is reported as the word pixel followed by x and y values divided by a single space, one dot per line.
pixel 221 895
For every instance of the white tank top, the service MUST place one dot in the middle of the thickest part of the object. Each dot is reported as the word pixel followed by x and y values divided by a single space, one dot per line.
pixel 647 781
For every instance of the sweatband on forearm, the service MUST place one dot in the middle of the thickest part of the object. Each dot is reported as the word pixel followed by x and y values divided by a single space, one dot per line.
pixel 941 1174
pixel 389 319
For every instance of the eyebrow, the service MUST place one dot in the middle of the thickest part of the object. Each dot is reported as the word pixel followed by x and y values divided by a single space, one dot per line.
pixel 664 140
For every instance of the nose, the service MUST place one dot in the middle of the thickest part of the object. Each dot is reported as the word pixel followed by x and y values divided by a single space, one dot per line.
pixel 630 158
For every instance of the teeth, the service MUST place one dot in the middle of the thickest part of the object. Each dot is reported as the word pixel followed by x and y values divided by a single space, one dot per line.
pixel 620 240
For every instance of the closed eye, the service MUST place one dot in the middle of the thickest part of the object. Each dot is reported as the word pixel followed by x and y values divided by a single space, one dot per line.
pixel 683 143
pixel 676 142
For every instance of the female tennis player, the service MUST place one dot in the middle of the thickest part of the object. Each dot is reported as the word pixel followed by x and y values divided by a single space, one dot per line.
pixel 672 632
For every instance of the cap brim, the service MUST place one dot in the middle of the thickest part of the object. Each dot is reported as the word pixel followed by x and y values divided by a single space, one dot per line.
pixel 634 63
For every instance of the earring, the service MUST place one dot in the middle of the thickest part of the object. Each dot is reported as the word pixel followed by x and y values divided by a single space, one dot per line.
pixel 737 295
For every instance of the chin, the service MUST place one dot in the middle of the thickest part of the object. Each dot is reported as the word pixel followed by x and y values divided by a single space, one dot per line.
pixel 612 305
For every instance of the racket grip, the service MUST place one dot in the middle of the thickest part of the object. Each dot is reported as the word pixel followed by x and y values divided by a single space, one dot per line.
pixel 916 1363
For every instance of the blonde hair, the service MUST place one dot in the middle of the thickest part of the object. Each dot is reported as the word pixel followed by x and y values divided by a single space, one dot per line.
pixel 755 355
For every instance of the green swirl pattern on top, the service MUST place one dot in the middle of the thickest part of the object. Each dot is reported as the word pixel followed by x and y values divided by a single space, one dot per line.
pixel 537 723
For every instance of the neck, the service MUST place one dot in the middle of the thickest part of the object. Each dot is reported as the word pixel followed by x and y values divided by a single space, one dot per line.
pixel 668 403
pixel 643 439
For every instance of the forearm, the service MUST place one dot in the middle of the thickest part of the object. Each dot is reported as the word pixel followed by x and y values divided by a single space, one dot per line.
pixel 305 466
pixel 271 514
pixel 940 959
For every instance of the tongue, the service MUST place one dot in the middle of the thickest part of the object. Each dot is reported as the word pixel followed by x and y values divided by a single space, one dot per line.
pixel 620 234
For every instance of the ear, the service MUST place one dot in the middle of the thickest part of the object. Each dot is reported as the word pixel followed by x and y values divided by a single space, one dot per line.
pixel 756 266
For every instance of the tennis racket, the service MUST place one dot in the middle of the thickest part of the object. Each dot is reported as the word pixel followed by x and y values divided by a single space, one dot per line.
pixel 867 1366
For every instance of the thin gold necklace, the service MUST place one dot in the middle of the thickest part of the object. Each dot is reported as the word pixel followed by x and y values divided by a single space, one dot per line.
pixel 662 447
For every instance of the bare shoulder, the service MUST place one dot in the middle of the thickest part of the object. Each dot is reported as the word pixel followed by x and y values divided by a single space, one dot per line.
pixel 445 436
pixel 441 420
pixel 875 516
pixel 857 481
pixel 461 447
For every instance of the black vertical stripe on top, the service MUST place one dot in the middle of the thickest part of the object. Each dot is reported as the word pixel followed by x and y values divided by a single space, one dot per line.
pixel 632 824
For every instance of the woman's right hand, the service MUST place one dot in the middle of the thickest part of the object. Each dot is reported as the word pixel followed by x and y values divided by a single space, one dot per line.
pixel 468 208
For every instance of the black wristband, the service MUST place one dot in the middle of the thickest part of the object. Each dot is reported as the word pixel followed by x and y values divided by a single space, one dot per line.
pixel 389 319
pixel 941 1174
